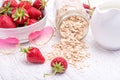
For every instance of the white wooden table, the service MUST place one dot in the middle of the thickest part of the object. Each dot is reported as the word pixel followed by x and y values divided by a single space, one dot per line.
pixel 103 64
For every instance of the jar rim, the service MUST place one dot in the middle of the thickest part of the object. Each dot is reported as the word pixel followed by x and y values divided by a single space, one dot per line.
pixel 69 14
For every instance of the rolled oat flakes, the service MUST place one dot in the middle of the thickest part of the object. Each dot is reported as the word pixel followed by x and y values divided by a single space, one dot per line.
pixel 73 27
pixel 75 52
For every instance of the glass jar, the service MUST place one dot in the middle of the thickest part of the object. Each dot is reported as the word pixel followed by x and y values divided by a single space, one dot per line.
pixel 71 19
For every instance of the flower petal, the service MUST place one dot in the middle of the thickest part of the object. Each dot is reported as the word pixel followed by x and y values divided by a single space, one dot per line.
pixel 41 37
pixel 12 40
pixel 8 45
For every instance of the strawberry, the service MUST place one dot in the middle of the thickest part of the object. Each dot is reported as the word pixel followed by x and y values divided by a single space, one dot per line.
pixel 13 3
pixel 8 6
pixel 31 21
pixel 25 4
pixel 34 55
pixel 89 9
pixel 6 9
pixel 6 22
pixel 34 13
pixel 20 15
pixel 39 4
pixel 86 6
pixel 59 65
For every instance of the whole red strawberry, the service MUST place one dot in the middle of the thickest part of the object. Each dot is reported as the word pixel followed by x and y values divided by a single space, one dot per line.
pixel 35 13
pixel 34 55
pixel 59 65
pixel 12 3
pixel 6 22
pixel 25 4
pixel 20 15
pixel 31 21
pixel 39 4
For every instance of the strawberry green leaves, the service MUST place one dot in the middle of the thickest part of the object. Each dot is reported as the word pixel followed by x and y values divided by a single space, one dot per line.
pixel 8 45
pixel 59 65
pixel 41 37
pixel 20 15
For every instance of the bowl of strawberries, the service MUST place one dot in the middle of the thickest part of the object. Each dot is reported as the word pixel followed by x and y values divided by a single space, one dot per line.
pixel 19 19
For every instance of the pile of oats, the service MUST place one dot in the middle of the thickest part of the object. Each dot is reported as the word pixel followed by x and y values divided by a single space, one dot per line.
pixel 74 27
pixel 72 31
pixel 75 52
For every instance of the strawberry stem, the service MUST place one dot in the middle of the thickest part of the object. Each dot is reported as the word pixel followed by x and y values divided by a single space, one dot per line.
pixel 6 9
pixel 57 68
pixel 50 74
pixel 24 50
pixel 43 3
pixel 19 14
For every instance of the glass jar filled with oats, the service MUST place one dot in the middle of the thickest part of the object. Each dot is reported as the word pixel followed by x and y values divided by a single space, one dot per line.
pixel 71 19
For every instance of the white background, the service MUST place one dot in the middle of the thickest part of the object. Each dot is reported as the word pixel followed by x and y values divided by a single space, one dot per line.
pixel 103 64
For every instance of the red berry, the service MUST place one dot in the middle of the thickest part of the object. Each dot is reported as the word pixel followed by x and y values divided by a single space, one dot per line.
pixel 31 21
pixel 6 22
pixel 39 4
pixel 34 55
pixel 13 3
pixel 35 13
pixel 8 6
pixel 20 15
pixel 59 65
pixel 25 4
pixel 86 6
pixel 6 10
